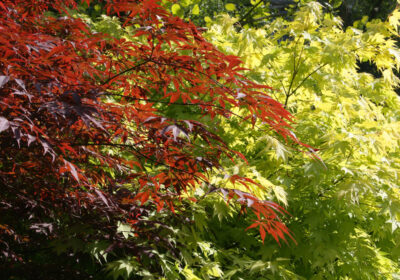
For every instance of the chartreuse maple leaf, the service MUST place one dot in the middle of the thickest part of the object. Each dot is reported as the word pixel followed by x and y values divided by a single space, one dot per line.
pixel 345 208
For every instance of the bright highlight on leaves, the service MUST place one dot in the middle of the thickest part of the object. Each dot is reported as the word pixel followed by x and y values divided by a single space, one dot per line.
pixel 346 211
pixel 176 8
pixel 230 7
pixel 196 9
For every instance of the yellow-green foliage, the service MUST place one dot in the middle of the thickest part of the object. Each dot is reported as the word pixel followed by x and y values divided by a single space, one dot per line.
pixel 346 210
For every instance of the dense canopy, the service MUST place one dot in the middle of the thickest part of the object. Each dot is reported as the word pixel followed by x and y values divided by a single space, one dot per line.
pixel 137 145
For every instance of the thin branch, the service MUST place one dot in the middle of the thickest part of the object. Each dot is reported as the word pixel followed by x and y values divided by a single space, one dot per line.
pixel 125 71
pixel 166 102
pixel 240 21
pixel 296 67
pixel 286 101
pixel 308 76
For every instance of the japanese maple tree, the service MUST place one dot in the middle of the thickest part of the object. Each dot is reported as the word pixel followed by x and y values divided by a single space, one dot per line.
pixel 85 131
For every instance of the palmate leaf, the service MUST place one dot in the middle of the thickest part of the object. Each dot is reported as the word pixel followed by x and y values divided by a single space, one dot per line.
pixel 196 9
pixel 267 213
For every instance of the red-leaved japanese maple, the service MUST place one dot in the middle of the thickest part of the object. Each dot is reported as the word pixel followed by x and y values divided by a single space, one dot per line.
pixel 81 124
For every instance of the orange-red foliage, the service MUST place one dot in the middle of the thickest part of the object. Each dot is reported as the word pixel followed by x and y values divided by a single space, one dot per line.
pixel 58 125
